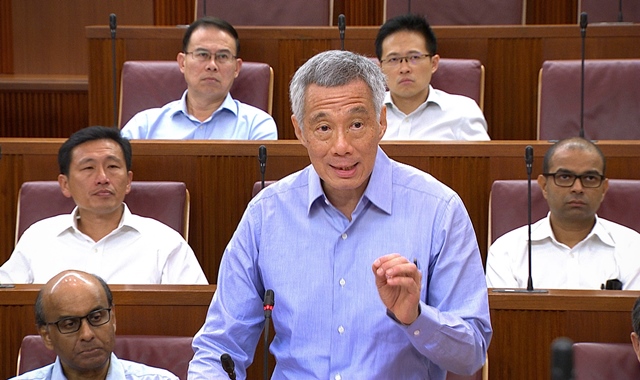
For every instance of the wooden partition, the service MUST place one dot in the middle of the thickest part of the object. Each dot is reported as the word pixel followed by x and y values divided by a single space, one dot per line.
pixel 524 324
pixel 511 55
pixel 220 177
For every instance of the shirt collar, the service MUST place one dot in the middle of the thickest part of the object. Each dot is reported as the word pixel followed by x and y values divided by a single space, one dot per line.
pixel 378 191
pixel 542 230
pixel 227 104
pixel 72 221
pixel 434 97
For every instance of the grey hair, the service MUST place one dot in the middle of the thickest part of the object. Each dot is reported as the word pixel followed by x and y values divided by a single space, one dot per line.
pixel 334 68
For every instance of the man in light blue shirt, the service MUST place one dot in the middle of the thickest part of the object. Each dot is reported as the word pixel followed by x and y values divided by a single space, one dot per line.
pixel 374 264
pixel 75 317
pixel 210 63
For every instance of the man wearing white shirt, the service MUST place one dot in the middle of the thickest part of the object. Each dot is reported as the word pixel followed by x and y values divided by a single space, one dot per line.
pixel 406 48
pixel 101 235
pixel 572 248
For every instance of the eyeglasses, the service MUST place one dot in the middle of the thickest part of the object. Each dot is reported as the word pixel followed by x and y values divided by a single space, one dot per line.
pixel 567 179
pixel 413 59
pixel 72 324
pixel 221 57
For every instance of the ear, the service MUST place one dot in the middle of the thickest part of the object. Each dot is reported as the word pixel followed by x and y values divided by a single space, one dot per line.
pixel 635 342
pixel 605 188
pixel 383 122
pixel 542 182
pixel 181 59
pixel 297 129
pixel 238 67
pixel 435 61
pixel 130 175
pixel 46 337
pixel 113 317
pixel 63 181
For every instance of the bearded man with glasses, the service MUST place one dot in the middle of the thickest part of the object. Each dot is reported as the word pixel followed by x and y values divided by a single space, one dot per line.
pixel 210 62
pixel 572 248
pixel 407 50
pixel 76 318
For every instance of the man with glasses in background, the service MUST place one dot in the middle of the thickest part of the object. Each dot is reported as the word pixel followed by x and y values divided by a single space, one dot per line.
pixel 572 248
pixel 406 48
pixel 76 318
pixel 209 61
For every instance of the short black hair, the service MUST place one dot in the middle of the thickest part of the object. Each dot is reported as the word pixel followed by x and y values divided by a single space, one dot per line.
pixel 210 22
pixel 573 143
pixel 409 22
pixel 90 134
pixel 41 319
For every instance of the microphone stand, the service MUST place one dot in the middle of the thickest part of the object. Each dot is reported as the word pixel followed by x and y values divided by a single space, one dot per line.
pixel 112 26
pixel 262 158
pixel 583 33
pixel 341 27
pixel 268 308
pixel 529 163
pixel 620 11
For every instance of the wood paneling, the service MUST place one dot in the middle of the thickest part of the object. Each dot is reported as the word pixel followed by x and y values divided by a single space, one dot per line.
pixel 172 12
pixel 6 38
pixel 512 56
pixel 220 176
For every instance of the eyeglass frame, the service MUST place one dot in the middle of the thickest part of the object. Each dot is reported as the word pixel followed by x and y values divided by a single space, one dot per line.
pixel 575 177
pixel 57 323
pixel 211 55
pixel 411 59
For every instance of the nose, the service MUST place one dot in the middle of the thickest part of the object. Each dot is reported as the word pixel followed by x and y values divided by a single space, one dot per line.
pixel 211 64
pixel 101 176
pixel 577 186
pixel 86 330
pixel 342 143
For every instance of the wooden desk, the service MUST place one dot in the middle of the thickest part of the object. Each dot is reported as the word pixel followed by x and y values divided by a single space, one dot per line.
pixel 512 56
pixel 525 325
pixel 220 177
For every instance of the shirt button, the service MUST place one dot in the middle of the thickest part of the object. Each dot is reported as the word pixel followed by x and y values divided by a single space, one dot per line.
pixel 342 282
pixel 416 333
pixel 341 329
pixel 337 377
pixel 344 236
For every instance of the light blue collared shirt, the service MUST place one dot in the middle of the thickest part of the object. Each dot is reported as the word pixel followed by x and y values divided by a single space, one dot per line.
pixel 233 120
pixel 118 370
pixel 328 317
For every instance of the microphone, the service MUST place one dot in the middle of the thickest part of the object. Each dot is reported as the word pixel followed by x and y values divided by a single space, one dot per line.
pixel 528 158
pixel 268 308
pixel 204 7
pixel 341 26
pixel 620 11
pixel 262 158
pixel 228 365
pixel 112 27
pixel 562 359
pixel 583 34
pixel 613 284
pixel 409 7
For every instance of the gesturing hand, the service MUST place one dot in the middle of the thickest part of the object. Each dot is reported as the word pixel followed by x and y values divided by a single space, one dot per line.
pixel 398 281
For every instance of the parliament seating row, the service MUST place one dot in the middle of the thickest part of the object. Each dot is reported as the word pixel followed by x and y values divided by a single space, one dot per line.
pixel 608 114
pixel 451 12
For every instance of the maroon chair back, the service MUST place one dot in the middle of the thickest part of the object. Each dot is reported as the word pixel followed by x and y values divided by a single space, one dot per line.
pixel 596 361
pixel 267 13
pixel 152 84
pixel 462 12
pixel 167 202
pixel 508 205
pixel 609 11
pixel 172 353
pixel 611 99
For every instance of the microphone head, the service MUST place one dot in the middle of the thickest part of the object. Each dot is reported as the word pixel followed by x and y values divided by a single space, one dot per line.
pixel 341 22
pixel 227 363
pixel 269 301
pixel 262 154
pixel 528 154
pixel 583 20
pixel 112 21
pixel 562 359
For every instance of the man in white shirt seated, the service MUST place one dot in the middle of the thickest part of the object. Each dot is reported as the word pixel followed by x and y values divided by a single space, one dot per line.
pixel 101 235
pixel 76 318
pixel 210 62
pixel 635 320
pixel 572 248
pixel 407 50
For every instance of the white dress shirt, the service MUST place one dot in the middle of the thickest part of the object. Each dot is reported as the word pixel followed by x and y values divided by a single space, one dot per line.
pixel 610 251
pixel 442 116
pixel 139 251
